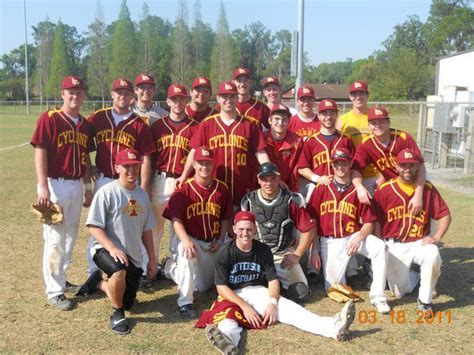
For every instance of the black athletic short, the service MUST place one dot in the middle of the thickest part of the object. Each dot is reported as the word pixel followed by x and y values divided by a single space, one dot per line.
pixel 107 264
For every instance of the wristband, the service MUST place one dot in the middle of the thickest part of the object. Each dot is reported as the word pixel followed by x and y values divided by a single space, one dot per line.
pixel 88 186
pixel 273 300
pixel 315 178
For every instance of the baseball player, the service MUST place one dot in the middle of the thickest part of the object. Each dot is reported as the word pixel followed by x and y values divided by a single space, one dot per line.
pixel 314 163
pixel 408 236
pixel 246 276
pixel 171 134
pixel 380 148
pixel 62 140
pixel 201 211
pixel 345 226
pixel 283 147
pixel 246 105
pixel 305 123
pixel 278 211
pixel 235 141
pixel 199 108
pixel 272 91
pixel 144 106
pixel 355 124
pixel 120 220
pixel 115 129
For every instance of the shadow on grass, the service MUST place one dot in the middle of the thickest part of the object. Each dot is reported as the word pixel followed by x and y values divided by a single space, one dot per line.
pixel 361 333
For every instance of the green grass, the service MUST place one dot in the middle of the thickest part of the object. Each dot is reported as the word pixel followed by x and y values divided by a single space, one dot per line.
pixel 29 325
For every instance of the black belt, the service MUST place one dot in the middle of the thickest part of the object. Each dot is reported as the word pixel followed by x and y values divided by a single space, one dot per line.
pixel 167 174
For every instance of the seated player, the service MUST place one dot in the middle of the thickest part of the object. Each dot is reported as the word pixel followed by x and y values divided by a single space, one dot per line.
pixel 200 212
pixel 120 219
pixel 246 276
pixel 278 212
pixel 408 236
pixel 338 213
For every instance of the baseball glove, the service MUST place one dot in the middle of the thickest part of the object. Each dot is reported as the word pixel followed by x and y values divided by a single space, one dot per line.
pixel 342 293
pixel 48 215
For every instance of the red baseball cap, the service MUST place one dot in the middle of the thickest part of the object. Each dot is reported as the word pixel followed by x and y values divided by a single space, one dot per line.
pixel 240 71
pixel 305 91
pixel 121 83
pixel 244 216
pixel 203 153
pixel 270 80
pixel 201 81
pixel 359 86
pixel 177 90
pixel 408 156
pixel 280 108
pixel 227 87
pixel 325 105
pixel 73 82
pixel 341 154
pixel 144 79
pixel 377 112
pixel 127 157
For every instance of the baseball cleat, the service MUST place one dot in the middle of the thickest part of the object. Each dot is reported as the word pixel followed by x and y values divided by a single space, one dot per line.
pixel 187 311
pixel 427 308
pixel 118 323
pixel 343 320
pixel 382 306
pixel 220 341
pixel 61 302
pixel 91 285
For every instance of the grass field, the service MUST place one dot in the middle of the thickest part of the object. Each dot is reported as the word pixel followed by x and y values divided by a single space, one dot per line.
pixel 29 325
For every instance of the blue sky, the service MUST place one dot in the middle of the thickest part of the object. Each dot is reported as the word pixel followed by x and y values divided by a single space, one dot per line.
pixel 334 29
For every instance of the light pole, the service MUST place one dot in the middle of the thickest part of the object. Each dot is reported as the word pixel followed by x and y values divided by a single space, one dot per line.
pixel 299 76
pixel 26 63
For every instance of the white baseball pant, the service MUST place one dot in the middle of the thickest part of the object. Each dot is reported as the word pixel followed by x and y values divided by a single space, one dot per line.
pixel 291 275
pixel 196 274
pixel 99 181
pixel 289 312
pixel 335 260
pixel 59 239
pixel 401 279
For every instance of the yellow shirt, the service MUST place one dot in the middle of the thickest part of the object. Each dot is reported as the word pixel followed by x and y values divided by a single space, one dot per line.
pixel 357 127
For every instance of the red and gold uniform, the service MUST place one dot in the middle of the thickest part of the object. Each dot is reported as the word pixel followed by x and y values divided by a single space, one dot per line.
pixel 317 150
pixel 255 109
pixel 285 154
pixel 172 142
pixel 67 143
pixel 234 149
pixel 302 128
pixel 200 115
pixel 110 139
pixel 371 151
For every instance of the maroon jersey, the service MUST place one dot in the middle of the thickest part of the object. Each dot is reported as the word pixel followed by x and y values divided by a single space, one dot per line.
pixel 234 149
pixel 67 144
pixel 391 203
pixel 200 115
pixel 172 142
pixel 338 214
pixel 201 209
pixel 255 109
pixel 110 139
pixel 371 151
pixel 304 129
pixel 285 154
pixel 317 150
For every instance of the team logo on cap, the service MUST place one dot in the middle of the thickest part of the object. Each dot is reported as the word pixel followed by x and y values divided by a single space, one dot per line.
pixel 378 112
pixel 357 84
pixel 205 152
pixel 281 107
pixel 176 89
pixel 131 155
pixel 270 79
pixel 338 153
pixel 75 82
pixel 123 83
pixel 328 103
pixel 306 91
pixel 145 77
pixel 408 155
pixel 202 81
pixel 228 87
pixel 241 71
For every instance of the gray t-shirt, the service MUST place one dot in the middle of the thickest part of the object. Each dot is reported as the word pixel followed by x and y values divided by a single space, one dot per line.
pixel 124 215
pixel 151 115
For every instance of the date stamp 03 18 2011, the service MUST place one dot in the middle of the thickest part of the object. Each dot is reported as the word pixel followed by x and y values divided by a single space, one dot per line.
pixel 406 317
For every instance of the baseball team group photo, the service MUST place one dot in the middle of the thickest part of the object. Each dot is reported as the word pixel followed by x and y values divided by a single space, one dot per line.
pixel 227 208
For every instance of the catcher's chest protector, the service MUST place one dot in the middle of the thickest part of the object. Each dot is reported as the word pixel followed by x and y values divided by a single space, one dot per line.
pixel 274 226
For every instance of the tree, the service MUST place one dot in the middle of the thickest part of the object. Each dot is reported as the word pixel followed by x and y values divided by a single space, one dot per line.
pixel 12 72
pixel 96 63
pixel 43 35
pixel 224 58
pixel 280 65
pixel 123 46
pixel 61 63
pixel 202 40
pixel 181 67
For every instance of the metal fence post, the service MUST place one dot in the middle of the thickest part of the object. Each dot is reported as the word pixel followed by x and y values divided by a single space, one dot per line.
pixel 469 148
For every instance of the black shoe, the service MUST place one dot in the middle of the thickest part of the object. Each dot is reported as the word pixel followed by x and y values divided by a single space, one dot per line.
pixel 313 278
pixel 163 264
pixel 118 323
pixel 91 285
pixel 145 282
pixel 355 282
pixel 71 288
pixel 187 311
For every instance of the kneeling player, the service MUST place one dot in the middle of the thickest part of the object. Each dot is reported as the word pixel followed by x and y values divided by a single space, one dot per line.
pixel 120 219
pixel 408 236
pixel 243 268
